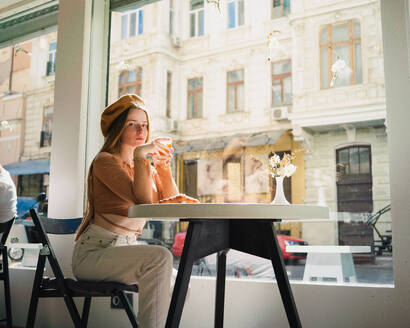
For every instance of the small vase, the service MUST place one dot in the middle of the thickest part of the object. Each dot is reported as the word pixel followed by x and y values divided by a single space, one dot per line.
pixel 280 198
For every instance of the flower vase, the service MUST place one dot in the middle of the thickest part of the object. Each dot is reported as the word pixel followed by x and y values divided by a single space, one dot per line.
pixel 280 198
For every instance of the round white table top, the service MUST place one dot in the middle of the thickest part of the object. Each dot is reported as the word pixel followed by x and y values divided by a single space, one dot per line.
pixel 228 211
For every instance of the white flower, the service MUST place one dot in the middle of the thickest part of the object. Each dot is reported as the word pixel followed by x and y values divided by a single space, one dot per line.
pixel 289 170
pixel 274 160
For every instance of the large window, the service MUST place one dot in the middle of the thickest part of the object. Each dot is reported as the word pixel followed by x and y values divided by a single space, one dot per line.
pixel 280 8
pixel 281 83
pixel 195 95
pixel 27 80
pixel 132 23
pixel 225 130
pixel 196 18
pixel 341 42
pixel 235 13
pixel 130 82
pixel 235 91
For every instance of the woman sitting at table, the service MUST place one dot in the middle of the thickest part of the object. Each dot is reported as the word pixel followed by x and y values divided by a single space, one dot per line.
pixel 121 176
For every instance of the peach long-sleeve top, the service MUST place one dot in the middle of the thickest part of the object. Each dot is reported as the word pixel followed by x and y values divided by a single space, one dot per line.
pixel 116 186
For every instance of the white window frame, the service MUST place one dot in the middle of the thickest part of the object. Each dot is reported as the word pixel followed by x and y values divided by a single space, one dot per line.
pixel 196 13
pixel 171 26
pixel 236 13
pixel 52 54
pixel 128 25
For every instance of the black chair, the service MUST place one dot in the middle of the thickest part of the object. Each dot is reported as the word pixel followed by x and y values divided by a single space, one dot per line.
pixel 4 274
pixel 59 286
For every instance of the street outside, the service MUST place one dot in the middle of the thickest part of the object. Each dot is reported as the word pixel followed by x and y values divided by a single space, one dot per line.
pixel 380 272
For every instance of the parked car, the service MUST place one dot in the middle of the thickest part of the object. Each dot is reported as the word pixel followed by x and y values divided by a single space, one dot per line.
pixel 283 241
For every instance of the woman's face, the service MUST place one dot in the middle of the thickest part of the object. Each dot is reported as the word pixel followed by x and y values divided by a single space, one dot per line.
pixel 136 128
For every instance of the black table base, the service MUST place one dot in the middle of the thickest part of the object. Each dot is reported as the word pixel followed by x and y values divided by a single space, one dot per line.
pixel 208 236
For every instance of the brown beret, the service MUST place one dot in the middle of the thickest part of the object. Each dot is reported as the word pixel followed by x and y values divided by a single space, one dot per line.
pixel 114 110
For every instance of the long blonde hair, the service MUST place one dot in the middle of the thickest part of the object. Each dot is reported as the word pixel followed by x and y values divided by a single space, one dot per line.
pixel 112 145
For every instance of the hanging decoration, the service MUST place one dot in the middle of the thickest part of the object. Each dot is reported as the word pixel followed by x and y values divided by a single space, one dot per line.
pixel 273 44
pixel 216 4
pixel 339 71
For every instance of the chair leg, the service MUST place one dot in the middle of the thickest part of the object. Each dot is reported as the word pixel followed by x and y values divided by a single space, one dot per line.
pixel 128 308
pixel 72 309
pixel 31 317
pixel 7 288
pixel 86 311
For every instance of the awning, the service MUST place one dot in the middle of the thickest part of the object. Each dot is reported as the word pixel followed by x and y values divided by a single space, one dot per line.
pixel 32 166
pixel 242 140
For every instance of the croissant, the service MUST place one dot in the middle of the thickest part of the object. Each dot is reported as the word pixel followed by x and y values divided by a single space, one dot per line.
pixel 180 198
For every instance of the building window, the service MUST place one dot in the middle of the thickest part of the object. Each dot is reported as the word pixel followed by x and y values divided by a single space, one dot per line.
pixel 46 130
pixel 341 41
pixel 30 185
pixel 171 17
pixel 169 90
pixel 51 63
pixel 354 195
pixel 130 82
pixel 132 23
pixel 354 179
pixel 196 17
pixel 235 91
pixel 235 13
pixel 280 8
pixel 281 83
pixel 195 94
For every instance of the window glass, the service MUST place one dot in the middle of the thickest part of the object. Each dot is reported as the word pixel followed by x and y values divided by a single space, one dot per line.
pixel 140 22
pixel 133 21
pixel 201 22
pixel 358 62
pixel 131 76
pixel 27 84
pixel 340 33
pixel 124 26
pixel 344 48
pixel 192 25
pixel 281 83
pixel 232 15
pixel 309 97
pixel 196 4
pixel 241 17
pixel 231 99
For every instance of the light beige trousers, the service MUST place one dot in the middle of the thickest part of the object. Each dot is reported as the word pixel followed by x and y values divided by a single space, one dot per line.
pixel 101 255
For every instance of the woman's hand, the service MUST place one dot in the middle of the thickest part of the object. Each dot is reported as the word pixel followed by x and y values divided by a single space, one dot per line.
pixel 157 148
pixel 180 198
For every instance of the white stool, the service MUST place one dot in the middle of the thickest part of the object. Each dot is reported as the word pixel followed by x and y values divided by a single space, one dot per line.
pixel 329 261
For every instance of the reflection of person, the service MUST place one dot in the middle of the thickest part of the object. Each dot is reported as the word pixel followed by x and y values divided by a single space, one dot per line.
pixel 8 196
pixel 210 180
pixel 257 180
pixel 121 176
